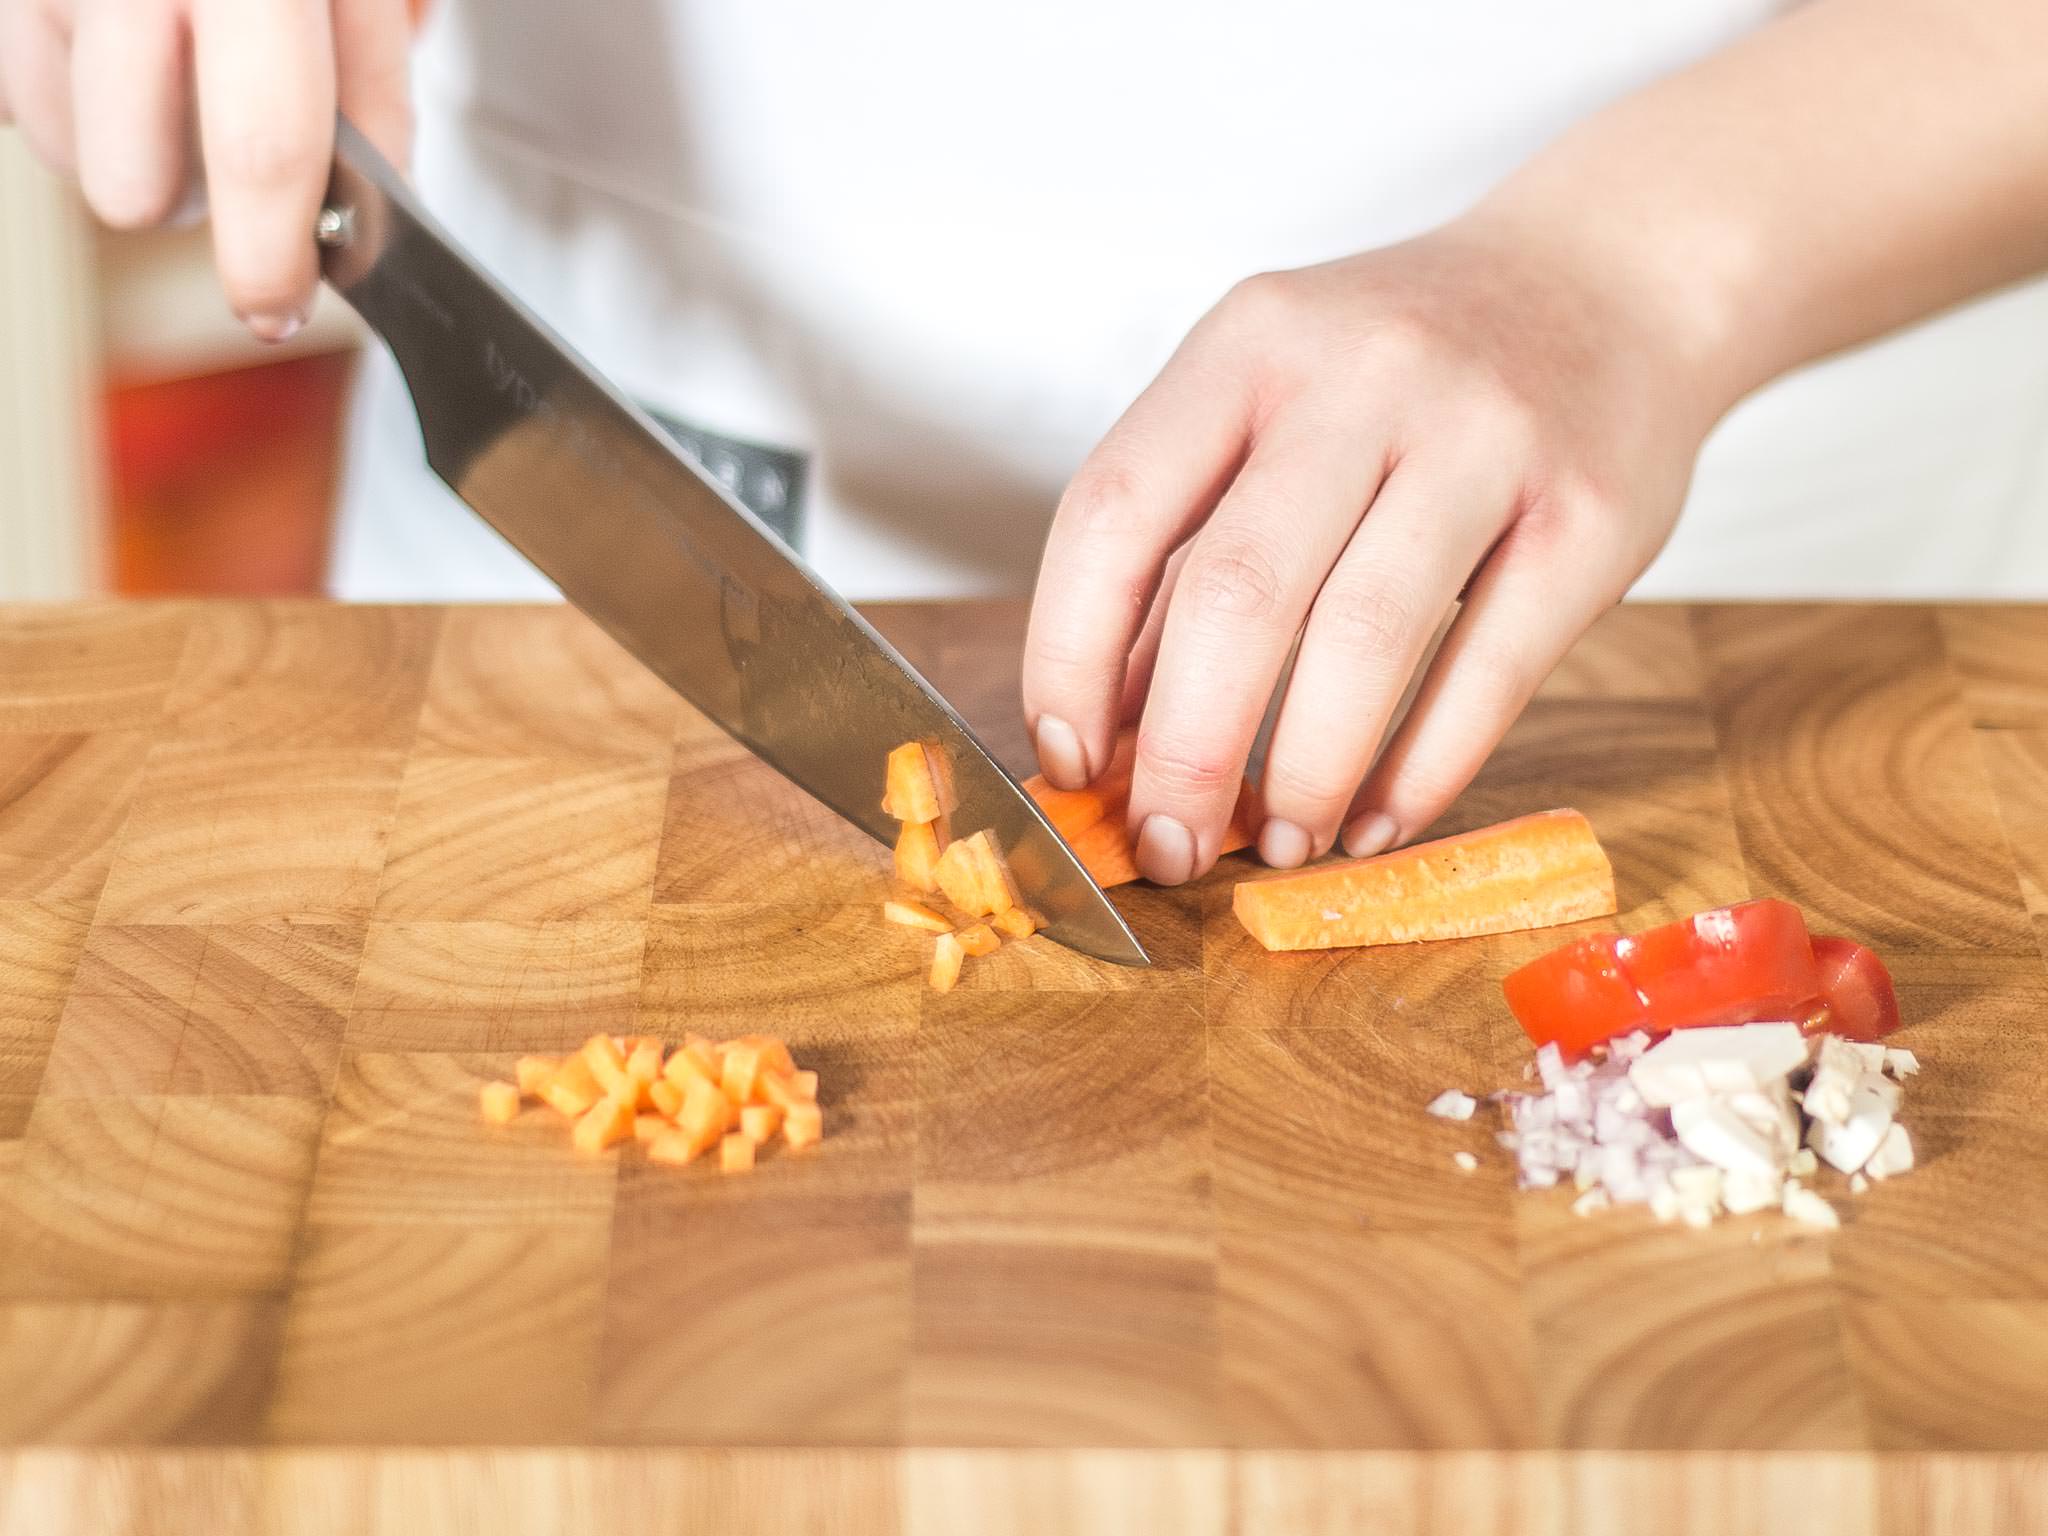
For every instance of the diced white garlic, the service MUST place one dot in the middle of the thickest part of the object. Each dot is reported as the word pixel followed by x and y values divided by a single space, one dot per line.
pixel 1451 1104
pixel 1808 1208
pixel 1847 1145
pixel 1901 1062
pixel 1802 1164
pixel 1592 1200
pixel 1893 1155
pixel 1466 1162
pixel 1695 1063
pixel 1711 1129
pixel 1744 1192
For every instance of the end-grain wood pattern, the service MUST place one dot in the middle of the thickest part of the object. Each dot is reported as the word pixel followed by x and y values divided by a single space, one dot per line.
pixel 1084 1248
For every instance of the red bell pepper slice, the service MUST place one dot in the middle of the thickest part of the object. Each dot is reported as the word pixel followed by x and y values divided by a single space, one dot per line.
pixel 1732 965
pixel 1856 991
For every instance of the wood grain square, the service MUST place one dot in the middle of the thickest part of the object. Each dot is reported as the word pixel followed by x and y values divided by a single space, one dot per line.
pixel 1900 848
pixel 756 1323
pixel 1634 651
pixel 63 801
pixel 238 835
pixel 1324 1128
pixel 736 830
pixel 1039 1112
pixel 1035 1332
pixel 1361 1339
pixel 309 967
pixel 1930 1234
pixel 151 962
pixel 1951 1373
pixel 487 966
pixel 541 681
pixel 270 1050
pixel 136 1372
pixel 296 674
pixel 114 1046
pixel 1076 1493
pixel 403 1143
pixel 88 666
pixel 441 1335
pixel 179 1198
pixel 40 945
pixel 523 839
pixel 2017 764
pixel 2000 655
pixel 754 959
pixel 492 986
pixel 1647 1337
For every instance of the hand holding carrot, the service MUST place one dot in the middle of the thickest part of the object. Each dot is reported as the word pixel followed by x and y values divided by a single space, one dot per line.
pixel 1339 452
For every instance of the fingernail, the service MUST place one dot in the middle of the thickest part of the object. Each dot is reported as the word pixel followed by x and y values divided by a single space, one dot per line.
pixel 1371 833
pixel 1166 850
pixel 280 327
pixel 1060 754
pixel 1284 845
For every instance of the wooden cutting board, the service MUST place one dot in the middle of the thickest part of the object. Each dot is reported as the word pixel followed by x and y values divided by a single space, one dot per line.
pixel 1085 1248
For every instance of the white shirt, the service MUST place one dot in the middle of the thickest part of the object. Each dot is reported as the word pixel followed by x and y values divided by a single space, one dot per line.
pixel 937 248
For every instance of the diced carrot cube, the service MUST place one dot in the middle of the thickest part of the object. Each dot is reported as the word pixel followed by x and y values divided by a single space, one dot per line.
pixel 706 1115
pixel 672 1147
pixel 666 1097
pixel 760 1121
pixel 947 958
pixel 919 784
pixel 692 1062
pixel 918 848
pixel 607 1062
pixel 960 877
pixel 802 1125
pixel 607 1121
pixel 533 1073
pixel 500 1103
pixel 999 890
pixel 979 939
pixel 735 1154
pixel 775 1055
pixel 804 1085
pixel 742 1074
pixel 647 1127
pixel 1016 922
pixel 643 1062
pixel 572 1089
pixel 915 914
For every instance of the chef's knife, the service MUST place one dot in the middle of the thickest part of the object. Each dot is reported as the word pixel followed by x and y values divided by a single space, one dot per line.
pixel 638 536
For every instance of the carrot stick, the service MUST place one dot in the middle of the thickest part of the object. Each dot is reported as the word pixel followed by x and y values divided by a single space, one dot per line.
pixel 919 784
pixel 1532 872
pixel 1092 819
pixel 947 958
pixel 915 914
pixel 917 855
pixel 961 877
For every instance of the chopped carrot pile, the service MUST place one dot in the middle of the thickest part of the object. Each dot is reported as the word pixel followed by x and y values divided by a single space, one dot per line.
pixel 734 1095
pixel 1532 872
pixel 970 872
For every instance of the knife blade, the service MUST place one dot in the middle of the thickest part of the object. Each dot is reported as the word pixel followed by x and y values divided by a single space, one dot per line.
pixel 637 535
